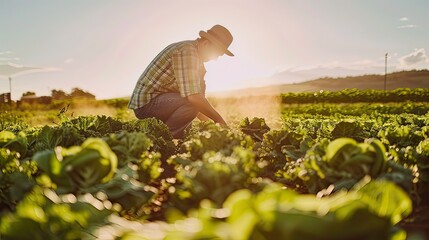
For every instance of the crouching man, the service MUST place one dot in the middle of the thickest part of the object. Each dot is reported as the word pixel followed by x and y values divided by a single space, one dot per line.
pixel 172 88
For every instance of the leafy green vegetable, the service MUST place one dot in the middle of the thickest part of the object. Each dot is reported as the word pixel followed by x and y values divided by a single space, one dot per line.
pixel 158 132
pixel 79 166
pixel 279 150
pixel 351 129
pixel 94 126
pixel 124 189
pixel 402 136
pixel 423 161
pixel 128 146
pixel 10 121
pixel 240 182
pixel 45 215
pixel 256 128
pixel 214 177
pixel 207 136
pixel 423 170
pixel 343 162
pixel 356 95
pixel 51 137
pixel 136 148
pixel 13 187
pixel 368 212
pixel 15 178
pixel 17 143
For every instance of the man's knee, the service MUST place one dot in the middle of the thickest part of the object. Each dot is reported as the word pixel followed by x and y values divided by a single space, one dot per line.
pixel 184 114
pixel 181 118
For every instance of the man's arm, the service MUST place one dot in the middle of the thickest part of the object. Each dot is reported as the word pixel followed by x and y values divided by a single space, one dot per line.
pixel 202 117
pixel 204 107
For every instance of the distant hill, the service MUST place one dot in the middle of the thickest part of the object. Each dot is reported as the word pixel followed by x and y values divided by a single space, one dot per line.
pixel 403 79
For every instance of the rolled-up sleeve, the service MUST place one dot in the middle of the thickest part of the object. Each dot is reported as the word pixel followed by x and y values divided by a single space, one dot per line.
pixel 186 66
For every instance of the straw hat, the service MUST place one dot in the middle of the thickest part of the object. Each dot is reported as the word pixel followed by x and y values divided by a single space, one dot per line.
pixel 220 36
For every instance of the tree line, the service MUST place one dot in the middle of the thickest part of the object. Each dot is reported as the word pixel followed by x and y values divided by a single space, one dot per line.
pixel 62 95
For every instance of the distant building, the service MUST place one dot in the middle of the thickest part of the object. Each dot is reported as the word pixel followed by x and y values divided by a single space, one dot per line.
pixel 32 99
pixel 5 98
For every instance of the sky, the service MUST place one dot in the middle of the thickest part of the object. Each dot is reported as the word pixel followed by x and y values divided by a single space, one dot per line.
pixel 103 46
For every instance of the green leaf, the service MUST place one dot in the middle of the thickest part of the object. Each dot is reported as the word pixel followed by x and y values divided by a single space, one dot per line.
pixel 17 143
pixel 336 147
pixel 387 200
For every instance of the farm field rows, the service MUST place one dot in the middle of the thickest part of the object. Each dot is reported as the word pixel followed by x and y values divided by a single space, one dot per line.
pixel 331 170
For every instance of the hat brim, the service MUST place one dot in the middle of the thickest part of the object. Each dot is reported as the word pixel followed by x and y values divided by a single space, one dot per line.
pixel 216 42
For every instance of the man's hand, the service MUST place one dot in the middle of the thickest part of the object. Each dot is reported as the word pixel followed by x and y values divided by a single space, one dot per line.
pixel 204 107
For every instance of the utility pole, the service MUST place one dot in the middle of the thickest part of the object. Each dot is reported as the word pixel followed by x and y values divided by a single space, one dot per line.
pixel 10 87
pixel 385 71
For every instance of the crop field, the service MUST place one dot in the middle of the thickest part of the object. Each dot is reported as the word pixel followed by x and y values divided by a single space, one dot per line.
pixel 325 165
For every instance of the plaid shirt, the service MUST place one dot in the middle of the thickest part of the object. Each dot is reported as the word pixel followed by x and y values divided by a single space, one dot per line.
pixel 177 68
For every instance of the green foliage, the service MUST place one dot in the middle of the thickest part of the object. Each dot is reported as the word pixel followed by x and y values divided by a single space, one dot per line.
pixel 93 168
pixel 279 150
pixel 355 95
pixel 423 161
pixel 118 103
pixel 207 136
pixel 128 146
pixel 314 127
pixel 17 143
pixel 135 148
pixel 402 141
pixel 15 178
pixel 125 189
pixel 45 215
pixel 256 128
pixel 351 129
pixel 369 211
pixel 158 132
pixel 12 122
pixel 402 136
pixel 360 159
pixel 13 187
pixel 94 126
pixel 213 177
pixel 356 109
pixel 78 167
pixel 57 182
pixel 344 162
pixel 50 137
pixel 149 168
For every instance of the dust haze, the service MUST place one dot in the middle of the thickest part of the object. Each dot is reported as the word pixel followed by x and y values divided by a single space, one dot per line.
pixel 92 108
pixel 233 110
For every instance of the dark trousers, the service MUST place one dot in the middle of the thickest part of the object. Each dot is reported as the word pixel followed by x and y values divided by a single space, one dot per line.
pixel 172 109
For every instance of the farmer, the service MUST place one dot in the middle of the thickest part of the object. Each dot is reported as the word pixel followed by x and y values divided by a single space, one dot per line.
pixel 172 88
